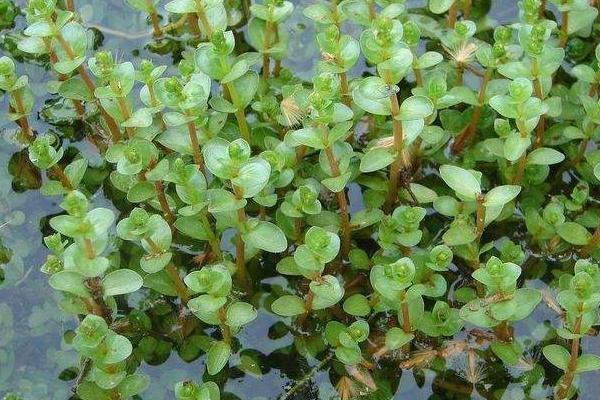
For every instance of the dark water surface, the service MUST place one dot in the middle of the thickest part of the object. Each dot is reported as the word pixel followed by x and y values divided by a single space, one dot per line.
pixel 35 360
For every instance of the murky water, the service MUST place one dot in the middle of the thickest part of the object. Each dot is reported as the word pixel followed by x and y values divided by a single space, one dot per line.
pixel 35 360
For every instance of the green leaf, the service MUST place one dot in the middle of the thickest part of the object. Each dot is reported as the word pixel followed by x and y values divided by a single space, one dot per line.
pixel 71 282
pixel 357 305
pixel 217 357
pixel 574 233
pixel 545 156
pixel 122 281
pixel 415 107
pixel 252 177
pixel 501 195
pixel 395 338
pixel 461 181
pixel 588 362
pixel 327 292
pixel 376 159
pixel 240 313
pixel 515 146
pixel 440 6
pixel 288 306
pixel 266 236
pixel 557 355
pixel 310 137
pixel 509 353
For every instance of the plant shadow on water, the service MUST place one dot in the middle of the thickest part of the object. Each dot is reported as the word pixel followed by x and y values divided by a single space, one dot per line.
pixel 36 359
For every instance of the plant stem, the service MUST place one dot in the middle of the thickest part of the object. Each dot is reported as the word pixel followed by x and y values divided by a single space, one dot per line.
pixel 522 163
pixel 406 327
pixel 469 132
pixel 62 177
pixel 110 122
pixel 346 99
pixel 240 246
pixel 180 287
pixel 196 154
pixel 567 381
pixel 192 20
pixel 269 29
pixel 564 27
pixel 213 241
pixel 467 9
pixel 452 12
pixel 537 87
pixel 503 332
pixel 240 115
pixel 164 204
pixel 126 112
pixel 175 25
pixel 23 121
pixel 372 12
pixel 480 215
pixel 396 166
pixel 342 203
pixel 225 329
pixel 70 5
pixel 154 18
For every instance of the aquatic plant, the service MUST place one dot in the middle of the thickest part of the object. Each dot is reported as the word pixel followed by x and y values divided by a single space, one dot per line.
pixel 399 203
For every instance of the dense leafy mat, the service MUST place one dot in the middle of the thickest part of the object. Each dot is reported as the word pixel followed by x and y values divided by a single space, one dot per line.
pixel 419 205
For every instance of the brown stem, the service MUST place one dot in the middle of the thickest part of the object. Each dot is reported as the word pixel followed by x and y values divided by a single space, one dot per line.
pixel 346 99
pixel 565 385
pixel 308 302
pixel 406 327
pixel 110 122
pixel 467 9
pixel 452 12
pixel 164 204
pixel 298 229
pixel 277 68
pixel 154 18
pixel 542 9
pixel 180 287
pixel 193 22
pixel 70 5
pixel 62 177
pixel 225 329
pixel 541 126
pixel 480 215
pixel 503 332
pixel 265 66
pixel 197 155
pixel 469 133
pixel 98 304
pixel 342 204
pixel 372 12
pixel 124 107
pixel 23 121
pixel 564 28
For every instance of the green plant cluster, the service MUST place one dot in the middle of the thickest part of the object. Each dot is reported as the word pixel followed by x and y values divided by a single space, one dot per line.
pixel 382 208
